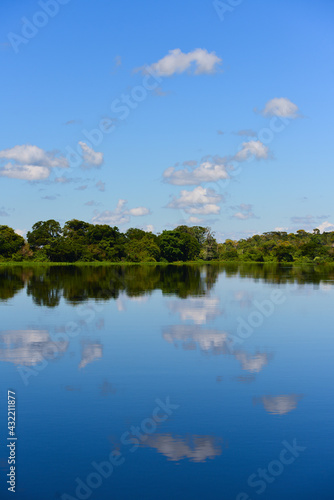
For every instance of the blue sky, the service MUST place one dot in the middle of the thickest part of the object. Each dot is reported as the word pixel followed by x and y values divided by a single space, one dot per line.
pixel 155 113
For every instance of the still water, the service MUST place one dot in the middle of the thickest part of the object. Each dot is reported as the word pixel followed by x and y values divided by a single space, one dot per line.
pixel 176 382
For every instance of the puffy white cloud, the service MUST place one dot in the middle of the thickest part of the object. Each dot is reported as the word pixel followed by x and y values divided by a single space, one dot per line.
pixel 149 228
pixel 198 201
pixel 33 155
pixel 30 163
pixel 121 215
pixel 177 61
pixel 139 211
pixel 205 172
pixel 91 158
pixel 252 148
pixel 281 106
pixel 25 172
pixel 326 226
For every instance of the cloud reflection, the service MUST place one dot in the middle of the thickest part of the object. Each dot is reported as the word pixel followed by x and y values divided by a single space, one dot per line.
pixel 196 448
pixel 198 310
pixel 29 347
pixel 279 405
pixel 206 339
pixel 91 351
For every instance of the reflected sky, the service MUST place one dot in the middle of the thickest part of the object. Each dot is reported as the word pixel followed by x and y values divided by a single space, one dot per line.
pixel 29 347
pixel 123 337
pixel 193 448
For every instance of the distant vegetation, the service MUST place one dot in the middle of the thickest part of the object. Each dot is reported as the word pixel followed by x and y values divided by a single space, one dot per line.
pixel 79 241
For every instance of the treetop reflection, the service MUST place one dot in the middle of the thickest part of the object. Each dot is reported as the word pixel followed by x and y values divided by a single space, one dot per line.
pixel 48 284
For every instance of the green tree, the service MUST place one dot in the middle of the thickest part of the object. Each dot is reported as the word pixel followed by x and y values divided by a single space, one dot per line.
pixel 10 242
pixel 43 233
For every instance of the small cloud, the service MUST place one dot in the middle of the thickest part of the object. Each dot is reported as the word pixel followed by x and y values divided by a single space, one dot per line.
pixel 281 106
pixel 81 188
pixel 176 61
pixel 118 61
pixel 244 212
pixel 31 163
pixel 220 132
pixel 50 197
pixel 21 232
pixel 200 201
pixel 160 93
pixel 4 212
pixel 91 158
pixel 326 226
pixel 246 132
pixel 92 203
pixel 73 122
pixel 252 149
pixel 205 172
pixel 308 221
pixel 189 163
pixel 121 215
pixel 101 186
pixel 149 228
pixel 139 211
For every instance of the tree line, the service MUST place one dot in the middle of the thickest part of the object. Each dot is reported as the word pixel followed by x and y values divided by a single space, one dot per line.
pixel 80 241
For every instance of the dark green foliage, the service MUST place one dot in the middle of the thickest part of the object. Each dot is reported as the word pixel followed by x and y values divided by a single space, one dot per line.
pixel 43 233
pixel 80 241
pixel 10 242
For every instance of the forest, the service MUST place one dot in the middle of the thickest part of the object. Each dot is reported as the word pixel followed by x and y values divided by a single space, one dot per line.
pixel 79 241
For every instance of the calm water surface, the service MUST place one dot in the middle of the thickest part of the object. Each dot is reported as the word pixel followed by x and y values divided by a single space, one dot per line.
pixel 187 382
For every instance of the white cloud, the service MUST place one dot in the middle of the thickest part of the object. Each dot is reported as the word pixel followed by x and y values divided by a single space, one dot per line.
pixel 33 155
pixel 177 61
pixel 121 215
pixel 139 211
pixel 206 172
pixel 149 228
pixel 25 172
pixel 198 201
pixel 252 148
pixel 21 232
pixel 30 163
pixel 245 212
pixel 281 106
pixel 91 158
pixel 326 226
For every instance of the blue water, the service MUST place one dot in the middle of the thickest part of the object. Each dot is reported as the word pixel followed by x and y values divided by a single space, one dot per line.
pixel 160 384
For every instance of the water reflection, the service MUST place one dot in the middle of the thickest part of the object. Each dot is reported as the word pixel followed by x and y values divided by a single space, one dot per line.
pixel 253 363
pixel 29 347
pixel 217 342
pixel 47 285
pixel 195 448
pixel 91 351
pixel 279 405
pixel 200 311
